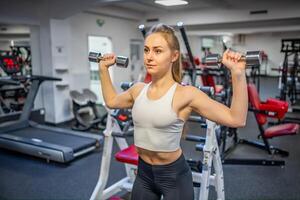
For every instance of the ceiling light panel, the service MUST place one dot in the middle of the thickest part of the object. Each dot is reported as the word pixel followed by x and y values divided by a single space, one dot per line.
pixel 171 2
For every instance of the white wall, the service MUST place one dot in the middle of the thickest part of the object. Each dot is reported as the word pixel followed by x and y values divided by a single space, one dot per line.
pixel 118 30
pixel 61 55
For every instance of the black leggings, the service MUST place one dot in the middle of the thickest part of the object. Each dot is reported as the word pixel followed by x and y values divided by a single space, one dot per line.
pixel 172 181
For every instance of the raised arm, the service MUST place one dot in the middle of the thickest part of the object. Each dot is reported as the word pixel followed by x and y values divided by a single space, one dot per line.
pixel 111 98
pixel 236 115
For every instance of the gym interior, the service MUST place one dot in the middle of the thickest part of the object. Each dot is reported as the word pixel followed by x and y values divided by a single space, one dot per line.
pixel 58 140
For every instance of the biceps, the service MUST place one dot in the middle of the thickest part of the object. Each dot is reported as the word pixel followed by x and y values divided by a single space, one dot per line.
pixel 122 100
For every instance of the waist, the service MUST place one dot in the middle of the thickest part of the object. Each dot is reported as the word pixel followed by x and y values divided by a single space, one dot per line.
pixel 157 140
pixel 158 158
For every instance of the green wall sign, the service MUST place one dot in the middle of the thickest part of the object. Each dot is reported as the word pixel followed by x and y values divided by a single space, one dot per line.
pixel 100 22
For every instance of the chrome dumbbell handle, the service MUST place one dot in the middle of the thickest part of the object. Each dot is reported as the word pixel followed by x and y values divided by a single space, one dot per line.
pixel 253 58
pixel 121 61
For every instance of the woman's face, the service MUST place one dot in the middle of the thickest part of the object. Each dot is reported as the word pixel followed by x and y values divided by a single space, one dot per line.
pixel 158 57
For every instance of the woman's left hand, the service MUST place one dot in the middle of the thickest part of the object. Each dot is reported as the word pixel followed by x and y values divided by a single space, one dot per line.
pixel 232 61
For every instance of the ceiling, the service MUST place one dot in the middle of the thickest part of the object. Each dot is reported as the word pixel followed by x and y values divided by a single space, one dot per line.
pixel 146 6
pixel 65 8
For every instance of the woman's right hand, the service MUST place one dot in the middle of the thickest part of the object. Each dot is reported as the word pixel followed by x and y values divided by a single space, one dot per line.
pixel 107 61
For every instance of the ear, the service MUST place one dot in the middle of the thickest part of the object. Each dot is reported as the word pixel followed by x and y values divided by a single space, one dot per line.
pixel 175 55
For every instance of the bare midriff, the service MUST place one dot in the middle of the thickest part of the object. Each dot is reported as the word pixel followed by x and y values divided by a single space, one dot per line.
pixel 158 158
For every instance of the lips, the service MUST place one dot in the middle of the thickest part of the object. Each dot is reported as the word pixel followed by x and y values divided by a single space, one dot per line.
pixel 150 66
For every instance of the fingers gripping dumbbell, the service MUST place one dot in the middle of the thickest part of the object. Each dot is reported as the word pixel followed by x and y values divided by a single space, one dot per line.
pixel 121 61
pixel 252 59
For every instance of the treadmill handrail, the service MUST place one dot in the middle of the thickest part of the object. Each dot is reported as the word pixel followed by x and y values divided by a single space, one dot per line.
pixel 36 82
pixel 45 78
pixel 33 77
pixel 13 125
pixel 8 81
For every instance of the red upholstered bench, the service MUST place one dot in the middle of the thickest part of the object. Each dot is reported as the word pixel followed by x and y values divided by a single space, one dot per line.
pixel 115 198
pixel 273 108
pixel 128 155
pixel 281 130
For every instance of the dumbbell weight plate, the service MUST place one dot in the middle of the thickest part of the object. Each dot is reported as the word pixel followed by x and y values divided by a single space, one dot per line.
pixel 122 61
pixel 213 60
pixel 94 57
pixel 253 58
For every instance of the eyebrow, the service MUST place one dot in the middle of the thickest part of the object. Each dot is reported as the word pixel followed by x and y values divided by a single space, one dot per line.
pixel 154 47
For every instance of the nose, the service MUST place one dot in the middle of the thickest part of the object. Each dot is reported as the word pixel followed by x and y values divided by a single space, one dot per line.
pixel 148 55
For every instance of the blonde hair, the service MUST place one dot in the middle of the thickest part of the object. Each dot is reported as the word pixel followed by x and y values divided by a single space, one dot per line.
pixel 168 34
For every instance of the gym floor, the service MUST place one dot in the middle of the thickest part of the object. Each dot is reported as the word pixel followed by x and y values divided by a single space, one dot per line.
pixel 25 177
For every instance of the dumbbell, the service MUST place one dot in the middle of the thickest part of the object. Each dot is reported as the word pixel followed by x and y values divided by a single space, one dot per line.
pixel 121 61
pixel 252 59
pixel 207 90
pixel 126 85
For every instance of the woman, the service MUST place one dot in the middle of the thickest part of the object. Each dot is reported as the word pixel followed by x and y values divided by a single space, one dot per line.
pixel 160 109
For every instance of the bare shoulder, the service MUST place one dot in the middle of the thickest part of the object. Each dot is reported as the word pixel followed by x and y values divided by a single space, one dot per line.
pixel 187 90
pixel 136 89
pixel 186 93
pixel 138 85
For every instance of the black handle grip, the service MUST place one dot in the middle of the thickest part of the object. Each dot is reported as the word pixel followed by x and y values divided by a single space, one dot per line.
pixel 186 42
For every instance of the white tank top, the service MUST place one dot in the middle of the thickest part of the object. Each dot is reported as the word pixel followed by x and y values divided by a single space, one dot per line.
pixel 156 125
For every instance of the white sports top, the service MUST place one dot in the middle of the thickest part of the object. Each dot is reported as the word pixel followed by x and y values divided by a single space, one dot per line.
pixel 156 125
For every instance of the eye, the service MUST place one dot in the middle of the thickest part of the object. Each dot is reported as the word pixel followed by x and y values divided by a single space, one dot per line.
pixel 158 51
pixel 146 50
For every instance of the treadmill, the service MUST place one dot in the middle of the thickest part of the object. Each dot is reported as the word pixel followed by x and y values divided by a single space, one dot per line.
pixel 6 81
pixel 51 143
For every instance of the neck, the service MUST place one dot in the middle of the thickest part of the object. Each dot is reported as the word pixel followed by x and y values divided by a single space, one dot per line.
pixel 161 82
